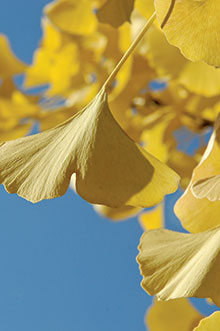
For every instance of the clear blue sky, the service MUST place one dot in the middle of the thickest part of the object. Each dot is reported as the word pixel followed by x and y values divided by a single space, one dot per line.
pixel 62 267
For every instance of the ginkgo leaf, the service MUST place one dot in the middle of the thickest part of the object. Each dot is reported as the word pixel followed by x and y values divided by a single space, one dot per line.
pixel 197 77
pixel 162 55
pixel 193 26
pixel 199 214
pixel 72 16
pixel 200 78
pixel 145 7
pixel 115 12
pixel 210 323
pixel 110 168
pixel 152 219
pixel 207 188
pixel 183 164
pixel 175 265
pixel 153 138
pixel 172 315
pixel 56 67
pixel 17 131
pixel 117 214
pixel 9 64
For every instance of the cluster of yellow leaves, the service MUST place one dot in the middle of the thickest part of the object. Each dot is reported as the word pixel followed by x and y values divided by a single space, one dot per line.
pixel 17 110
pixel 120 150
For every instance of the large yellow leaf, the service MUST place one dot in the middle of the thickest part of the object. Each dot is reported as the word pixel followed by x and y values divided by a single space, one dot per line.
pixel 193 26
pixel 110 168
pixel 210 323
pixel 176 265
pixel 172 315
pixel 115 12
pixel 199 214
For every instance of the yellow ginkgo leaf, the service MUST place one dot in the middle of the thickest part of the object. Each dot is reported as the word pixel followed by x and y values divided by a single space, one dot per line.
pixel 152 219
pixel 207 188
pixel 72 16
pixel 199 214
pixel 17 131
pixel 200 78
pixel 176 265
pixel 153 138
pixel 110 168
pixel 183 164
pixel 18 107
pixel 193 26
pixel 115 12
pixel 172 315
pixel 162 55
pixel 145 7
pixel 117 214
pixel 7 87
pixel 9 64
pixel 54 67
pixel 210 323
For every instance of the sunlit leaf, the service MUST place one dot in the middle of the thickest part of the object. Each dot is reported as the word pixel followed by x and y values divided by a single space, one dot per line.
pixel 210 323
pixel 193 26
pixel 176 265
pixel 110 168
pixel 199 214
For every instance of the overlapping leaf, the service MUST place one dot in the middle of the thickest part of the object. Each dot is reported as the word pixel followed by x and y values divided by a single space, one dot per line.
pixel 152 219
pixel 110 168
pixel 210 323
pixel 193 26
pixel 176 265
pixel 199 214
pixel 115 12
pixel 72 16
pixel 172 315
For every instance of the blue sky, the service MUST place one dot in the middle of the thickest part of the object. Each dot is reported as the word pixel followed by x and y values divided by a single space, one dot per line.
pixel 62 267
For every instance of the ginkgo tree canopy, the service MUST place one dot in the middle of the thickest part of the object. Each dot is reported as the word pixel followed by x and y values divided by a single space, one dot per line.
pixel 127 84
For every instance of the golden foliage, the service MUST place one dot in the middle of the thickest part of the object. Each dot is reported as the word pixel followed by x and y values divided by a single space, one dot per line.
pixel 122 154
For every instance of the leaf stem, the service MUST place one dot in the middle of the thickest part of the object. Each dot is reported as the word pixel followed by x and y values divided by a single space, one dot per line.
pixel 170 10
pixel 111 77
